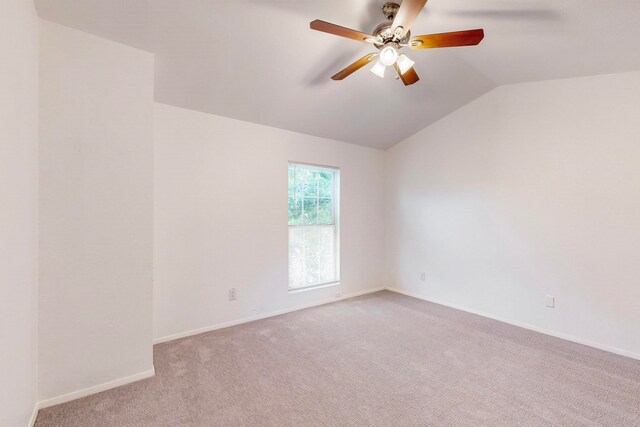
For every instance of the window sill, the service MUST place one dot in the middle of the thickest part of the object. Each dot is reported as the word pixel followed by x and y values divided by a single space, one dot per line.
pixel 311 288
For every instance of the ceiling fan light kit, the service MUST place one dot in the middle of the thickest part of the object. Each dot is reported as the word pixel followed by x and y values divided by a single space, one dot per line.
pixel 392 35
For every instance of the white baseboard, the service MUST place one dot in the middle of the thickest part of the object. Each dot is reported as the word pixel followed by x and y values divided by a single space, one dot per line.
pixel 259 316
pixel 94 389
pixel 552 333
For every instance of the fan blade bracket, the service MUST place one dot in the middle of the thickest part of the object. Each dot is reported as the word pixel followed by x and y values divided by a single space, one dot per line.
pixel 375 40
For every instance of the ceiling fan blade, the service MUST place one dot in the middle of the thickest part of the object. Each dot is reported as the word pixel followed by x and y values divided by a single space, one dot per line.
pixel 327 27
pixel 355 66
pixel 409 77
pixel 456 38
pixel 409 11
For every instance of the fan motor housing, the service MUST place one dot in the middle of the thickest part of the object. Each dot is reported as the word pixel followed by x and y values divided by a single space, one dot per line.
pixel 383 30
pixel 390 10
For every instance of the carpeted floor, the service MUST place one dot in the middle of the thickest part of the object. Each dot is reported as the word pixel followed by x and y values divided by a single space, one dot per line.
pixel 379 360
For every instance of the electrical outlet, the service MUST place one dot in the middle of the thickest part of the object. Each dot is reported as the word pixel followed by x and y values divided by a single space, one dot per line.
pixel 551 301
pixel 232 294
pixel 423 276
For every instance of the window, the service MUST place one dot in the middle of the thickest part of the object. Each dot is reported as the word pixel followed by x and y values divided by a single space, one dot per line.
pixel 313 226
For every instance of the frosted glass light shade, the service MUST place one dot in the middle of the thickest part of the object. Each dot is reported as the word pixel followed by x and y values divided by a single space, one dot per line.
pixel 404 63
pixel 378 69
pixel 388 56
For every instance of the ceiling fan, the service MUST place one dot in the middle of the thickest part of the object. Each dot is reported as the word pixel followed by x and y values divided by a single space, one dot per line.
pixel 394 34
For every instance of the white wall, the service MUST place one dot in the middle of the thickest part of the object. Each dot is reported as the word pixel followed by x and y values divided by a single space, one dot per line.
pixel 18 210
pixel 96 211
pixel 531 190
pixel 221 218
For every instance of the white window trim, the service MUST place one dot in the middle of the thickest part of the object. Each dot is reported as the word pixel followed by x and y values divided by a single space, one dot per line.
pixel 336 225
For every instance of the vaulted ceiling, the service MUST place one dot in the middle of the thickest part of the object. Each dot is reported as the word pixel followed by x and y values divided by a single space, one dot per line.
pixel 258 61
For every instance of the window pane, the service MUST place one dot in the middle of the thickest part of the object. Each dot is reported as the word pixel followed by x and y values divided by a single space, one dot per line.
pixel 293 213
pixel 295 210
pixel 291 176
pixel 325 211
pixel 325 184
pixel 306 181
pixel 310 211
pixel 311 256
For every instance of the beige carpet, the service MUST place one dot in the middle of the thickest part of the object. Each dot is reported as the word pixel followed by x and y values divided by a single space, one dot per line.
pixel 379 360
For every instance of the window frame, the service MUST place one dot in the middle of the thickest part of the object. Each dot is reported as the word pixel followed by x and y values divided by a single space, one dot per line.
pixel 335 189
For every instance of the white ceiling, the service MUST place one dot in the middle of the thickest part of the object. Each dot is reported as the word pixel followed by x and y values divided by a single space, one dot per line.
pixel 257 60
